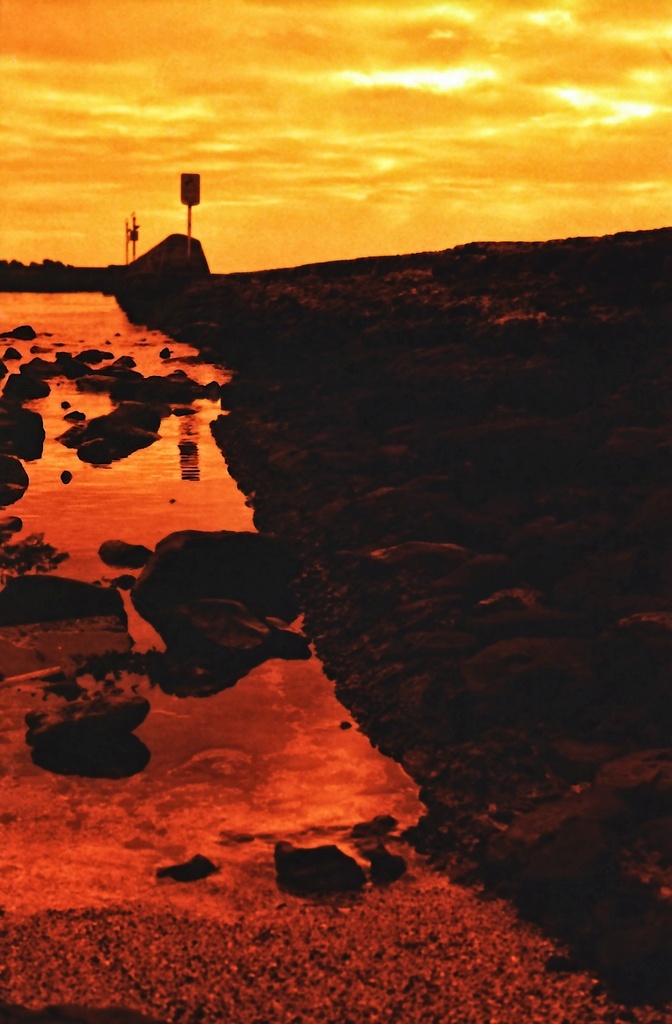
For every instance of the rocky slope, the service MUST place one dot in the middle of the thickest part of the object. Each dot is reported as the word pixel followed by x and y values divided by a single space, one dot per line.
pixel 472 454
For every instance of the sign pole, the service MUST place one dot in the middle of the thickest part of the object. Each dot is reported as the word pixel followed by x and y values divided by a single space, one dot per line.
pixel 127 241
pixel 190 195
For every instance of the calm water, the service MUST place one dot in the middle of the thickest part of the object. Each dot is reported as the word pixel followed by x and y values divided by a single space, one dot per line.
pixel 230 774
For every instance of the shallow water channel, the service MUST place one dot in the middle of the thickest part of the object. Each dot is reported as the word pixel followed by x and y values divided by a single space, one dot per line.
pixel 230 774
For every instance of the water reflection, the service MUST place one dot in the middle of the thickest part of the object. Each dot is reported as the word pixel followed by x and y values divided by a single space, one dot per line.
pixel 188 449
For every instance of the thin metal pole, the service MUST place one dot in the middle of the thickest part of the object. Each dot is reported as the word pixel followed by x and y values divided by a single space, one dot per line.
pixel 188 233
pixel 126 241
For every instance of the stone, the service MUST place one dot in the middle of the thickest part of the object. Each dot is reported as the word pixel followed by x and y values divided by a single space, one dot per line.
pixel 164 353
pixel 66 476
pixel 27 599
pixel 90 737
pixel 643 777
pixel 75 416
pixel 13 480
pixel 250 568
pixel 386 867
pixel 319 869
pixel 116 435
pixel 120 554
pixel 11 353
pixel 10 524
pixel 21 431
pixel 24 386
pixel 381 825
pixel 191 871
pixel 93 356
pixel 23 333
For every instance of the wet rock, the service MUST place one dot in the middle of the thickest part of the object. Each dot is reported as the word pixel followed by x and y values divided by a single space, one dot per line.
pixel 11 353
pixel 191 871
pixel 436 560
pixel 386 867
pixel 91 737
pixel 250 568
pixel 176 387
pixel 23 333
pixel 93 356
pixel 212 628
pixel 381 825
pixel 124 582
pixel 70 367
pixel 21 431
pixel 164 353
pixel 26 599
pixel 66 476
pixel 119 553
pixel 320 869
pixel 23 386
pixel 3 370
pixel 287 642
pixel 10 524
pixel 104 439
pixel 13 480
pixel 75 416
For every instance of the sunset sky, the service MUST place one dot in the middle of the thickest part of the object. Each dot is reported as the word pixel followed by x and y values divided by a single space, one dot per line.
pixel 326 129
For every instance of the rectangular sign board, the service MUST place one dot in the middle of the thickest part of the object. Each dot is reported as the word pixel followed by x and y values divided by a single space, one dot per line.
pixel 190 189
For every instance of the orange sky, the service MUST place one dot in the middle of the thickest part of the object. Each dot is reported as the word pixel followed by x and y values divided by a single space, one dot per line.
pixel 325 129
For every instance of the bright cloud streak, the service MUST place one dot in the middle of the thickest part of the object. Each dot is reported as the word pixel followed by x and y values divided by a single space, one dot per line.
pixel 329 128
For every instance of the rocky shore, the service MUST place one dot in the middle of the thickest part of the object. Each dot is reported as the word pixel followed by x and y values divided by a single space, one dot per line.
pixel 471 453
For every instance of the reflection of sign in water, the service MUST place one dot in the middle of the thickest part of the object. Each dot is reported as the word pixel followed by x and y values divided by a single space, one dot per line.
pixel 190 189
pixel 188 449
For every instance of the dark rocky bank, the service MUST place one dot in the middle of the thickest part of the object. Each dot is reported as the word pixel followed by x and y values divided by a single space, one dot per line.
pixel 471 452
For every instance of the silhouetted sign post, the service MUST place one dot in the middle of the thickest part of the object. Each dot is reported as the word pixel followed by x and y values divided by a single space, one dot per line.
pixel 131 236
pixel 190 193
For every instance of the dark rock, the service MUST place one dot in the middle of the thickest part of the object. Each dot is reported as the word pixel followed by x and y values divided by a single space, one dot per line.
pixel 91 737
pixel 11 353
pixel 287 642
pixel 22 333
pixel 27 599
pixel 252 569
pixel 381 825
pixel 191 871
pixel 644 778
pixel 212 628
pixel 3 369
pixel 21 431
pixel 119 553
pixel 386 867
pixel 176 387
pixel 13 480
pixel 10 524
pixel 75 416
pixel 24 386
pixel 165 353
pixel 320 869
pixel 104 439
pixel 66 476
pixel 65 405
pixel 93 356
pixel 124 582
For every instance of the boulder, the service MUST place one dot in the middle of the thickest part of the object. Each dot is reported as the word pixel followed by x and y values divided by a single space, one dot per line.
pixel 13 480
pixel 250 568
pixel 386 867
pixel 191 871
pixel 23 333
pixel 11 353
pixel 90 737
pixel 23 386
pixel 319 869
pixel 10 524
pixel 644 778
pixel 21 431
pixel 116 435
pixel 93 356
pixel 176 387
pixel 120 554
pixel 26 599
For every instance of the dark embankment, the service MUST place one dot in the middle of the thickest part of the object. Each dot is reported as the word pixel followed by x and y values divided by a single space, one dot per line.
pixel 472 452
